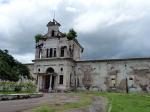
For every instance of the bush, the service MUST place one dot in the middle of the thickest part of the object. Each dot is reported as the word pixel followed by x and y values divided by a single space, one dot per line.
pixel 71 34
pixel 17 87
pixel 38 37
pixel 11 69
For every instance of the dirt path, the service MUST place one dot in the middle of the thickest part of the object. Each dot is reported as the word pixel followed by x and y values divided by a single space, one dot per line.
pixel 26 105
pixel 99 104
pixel 19 105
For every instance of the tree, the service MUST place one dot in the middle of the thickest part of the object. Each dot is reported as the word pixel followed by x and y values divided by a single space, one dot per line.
pixel 11 69
pixel 64 34
pixel 38 37
pixel 71 34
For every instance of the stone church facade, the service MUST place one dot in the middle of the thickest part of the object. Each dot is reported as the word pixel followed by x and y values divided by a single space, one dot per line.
pixel 57 67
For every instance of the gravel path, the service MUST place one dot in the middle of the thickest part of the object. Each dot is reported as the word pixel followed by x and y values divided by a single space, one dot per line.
pixel 26 105
pixel 99 104
pixel 19 105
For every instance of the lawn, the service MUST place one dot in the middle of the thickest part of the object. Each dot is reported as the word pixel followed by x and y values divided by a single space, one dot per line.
pixel 118 102
pixel 128 102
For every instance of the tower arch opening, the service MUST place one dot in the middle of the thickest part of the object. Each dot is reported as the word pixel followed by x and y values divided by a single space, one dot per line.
pixel 50 70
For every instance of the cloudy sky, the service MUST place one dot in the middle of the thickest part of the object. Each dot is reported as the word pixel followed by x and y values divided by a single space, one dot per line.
pixel 106 28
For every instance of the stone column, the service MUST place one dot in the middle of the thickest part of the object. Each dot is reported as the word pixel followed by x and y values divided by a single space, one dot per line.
pixel 37 53
pixel 43 82
pixel 50 89
pixel 55 82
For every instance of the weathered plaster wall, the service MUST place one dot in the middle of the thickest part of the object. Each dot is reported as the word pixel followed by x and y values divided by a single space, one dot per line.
pixel 105 75
pixel 31 69
pixel 111 75
pixel 72 49
pixel 67 65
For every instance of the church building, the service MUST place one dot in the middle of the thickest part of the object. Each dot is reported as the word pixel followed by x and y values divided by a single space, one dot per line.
pixel 57 67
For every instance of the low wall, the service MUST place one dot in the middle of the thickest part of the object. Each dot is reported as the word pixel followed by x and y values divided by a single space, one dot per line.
pixel 19 96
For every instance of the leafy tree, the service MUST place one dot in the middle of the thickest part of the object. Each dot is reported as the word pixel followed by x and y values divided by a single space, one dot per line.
pixel 11 69
pixel 64 34
pixel 38 37
pixel 71 34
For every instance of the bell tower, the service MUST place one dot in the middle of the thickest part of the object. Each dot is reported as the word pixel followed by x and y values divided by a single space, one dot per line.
pixel 53 28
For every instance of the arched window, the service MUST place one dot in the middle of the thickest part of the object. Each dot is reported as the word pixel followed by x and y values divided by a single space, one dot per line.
pixel 47 53
pixel 40 53
pixel 131 82
pixel 62 51
pixel 113 81
pixel 61 79
pixel 70 79
pixel 61 69
pixel 51 52
pixel 78 82
pixel 54 52
pixel 53 33
pixel 50 70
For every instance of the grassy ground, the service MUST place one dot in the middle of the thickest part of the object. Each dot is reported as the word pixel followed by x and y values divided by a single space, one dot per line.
pixel 44 109
pixel 128 102
pixel 118 102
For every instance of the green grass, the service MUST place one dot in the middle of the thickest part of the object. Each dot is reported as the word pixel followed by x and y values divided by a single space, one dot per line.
pixel 44 109
pixel 128 102
pixel 119 102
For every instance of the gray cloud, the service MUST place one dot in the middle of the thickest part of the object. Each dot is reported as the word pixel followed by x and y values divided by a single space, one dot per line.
pixel 106 29
pixel 123 40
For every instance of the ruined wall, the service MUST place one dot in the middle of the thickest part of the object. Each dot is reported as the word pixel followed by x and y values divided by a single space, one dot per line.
pixel 63 67
pixel 31 69
pixel 115 75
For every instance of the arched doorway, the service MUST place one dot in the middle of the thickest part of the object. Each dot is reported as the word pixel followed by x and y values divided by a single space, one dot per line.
pixel 50 71
pixel 50 79
pixel 47 82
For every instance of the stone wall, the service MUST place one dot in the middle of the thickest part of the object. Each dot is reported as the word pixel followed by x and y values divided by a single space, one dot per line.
pixel 101 75
pixel 31 69
pixel 116 75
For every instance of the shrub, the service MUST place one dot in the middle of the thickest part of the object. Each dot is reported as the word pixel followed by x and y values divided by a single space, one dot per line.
pixel 17 87
pixel 38 37
pixel 11 69
pixel 71 34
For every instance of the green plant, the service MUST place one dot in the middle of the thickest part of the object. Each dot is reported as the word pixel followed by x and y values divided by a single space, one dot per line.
pixel 38 37
pixel 17 87
pixel 44 109
pixel 31 87
pixel 71 34
pixel 11 69
pixel 64 34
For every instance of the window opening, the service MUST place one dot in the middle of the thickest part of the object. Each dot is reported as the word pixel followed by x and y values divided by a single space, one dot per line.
pixel 61 79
